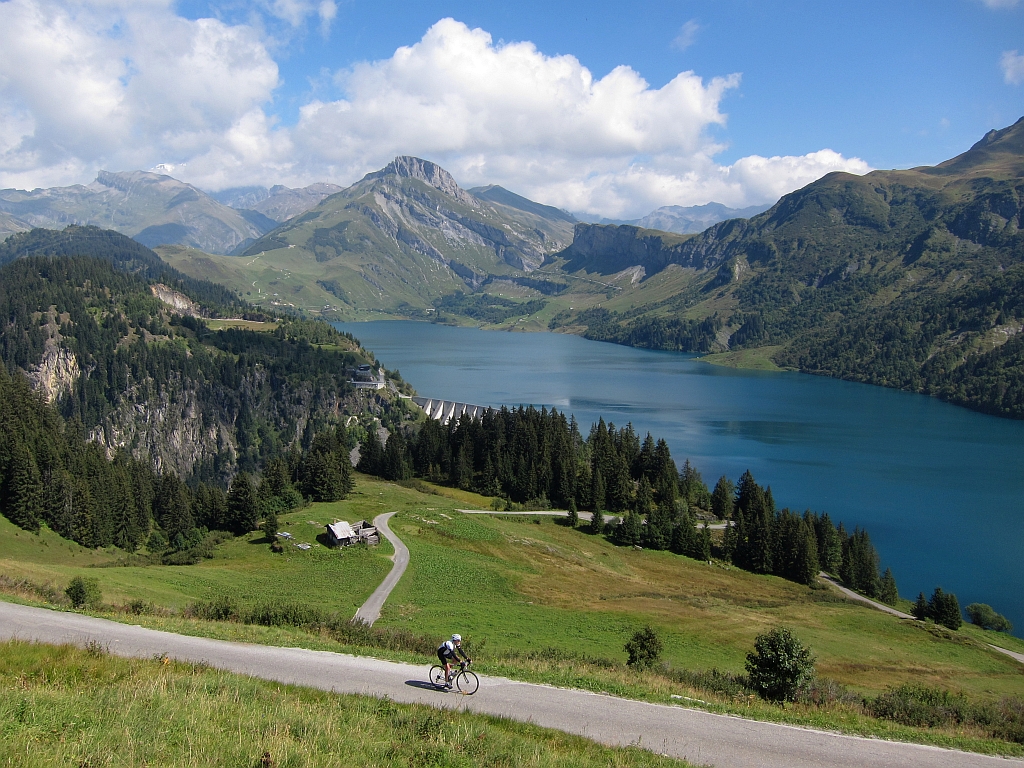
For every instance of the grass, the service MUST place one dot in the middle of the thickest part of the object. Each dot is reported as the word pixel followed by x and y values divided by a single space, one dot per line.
pixel 759 359
pixel 541 602
pixel 64 706
pixel 245 568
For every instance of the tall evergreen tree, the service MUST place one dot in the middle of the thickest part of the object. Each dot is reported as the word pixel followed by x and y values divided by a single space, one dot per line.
pixel 722 498
pixel 24 490
pixel 887 592
pixel 241 505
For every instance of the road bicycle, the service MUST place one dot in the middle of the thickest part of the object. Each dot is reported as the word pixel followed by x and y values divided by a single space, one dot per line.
pixel 467 682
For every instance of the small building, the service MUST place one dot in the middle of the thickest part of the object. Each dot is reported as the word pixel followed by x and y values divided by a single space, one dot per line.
pixel 342 534
pixel 367 377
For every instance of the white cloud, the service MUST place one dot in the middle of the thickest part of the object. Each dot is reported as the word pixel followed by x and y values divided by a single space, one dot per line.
pixel 543 126
pixel 687 35
pixel 327 11
pixel 1012 64
pixel 122 85
pixel 999 4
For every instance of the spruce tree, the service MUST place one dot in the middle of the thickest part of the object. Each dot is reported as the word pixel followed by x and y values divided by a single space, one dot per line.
pixel 887 592
pixel 629 532
pixel 24 490
pixel 921 609
pixel 574 515
pixel 722 498
pixel 241 504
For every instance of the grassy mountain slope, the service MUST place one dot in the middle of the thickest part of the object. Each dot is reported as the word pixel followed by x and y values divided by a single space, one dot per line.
pixel 152 208
pixel 907 278
pixel 394 241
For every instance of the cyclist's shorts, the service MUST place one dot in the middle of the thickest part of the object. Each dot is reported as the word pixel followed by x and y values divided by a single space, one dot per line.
pixel 444 654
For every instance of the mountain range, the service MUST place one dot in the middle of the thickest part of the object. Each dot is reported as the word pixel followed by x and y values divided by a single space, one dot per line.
pixel 149 207
pixel 688 220
pixel 909 278
pixel 396 241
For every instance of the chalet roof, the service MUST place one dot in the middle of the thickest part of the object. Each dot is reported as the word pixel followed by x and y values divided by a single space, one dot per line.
pixel 341 530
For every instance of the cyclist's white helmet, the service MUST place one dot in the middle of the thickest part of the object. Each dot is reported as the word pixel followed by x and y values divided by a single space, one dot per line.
pixel 456 638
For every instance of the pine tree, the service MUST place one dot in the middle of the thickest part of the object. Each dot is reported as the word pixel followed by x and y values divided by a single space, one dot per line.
pixel 629 531
pixel 705 543
pixel 24 490
pixel 944 608
pixel 921 609
pixel 269 527
pixel 241 504
pixel 371 453
pixel 574 515
pixel 887 591
pixel 722 498
pixel 805 566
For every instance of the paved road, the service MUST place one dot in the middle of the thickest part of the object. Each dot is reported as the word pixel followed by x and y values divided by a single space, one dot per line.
pixel 701 737
pixel 889 609
pixel 861 599
pixel 370 610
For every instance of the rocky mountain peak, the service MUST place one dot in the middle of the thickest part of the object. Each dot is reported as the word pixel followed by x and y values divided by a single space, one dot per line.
pixel 423 170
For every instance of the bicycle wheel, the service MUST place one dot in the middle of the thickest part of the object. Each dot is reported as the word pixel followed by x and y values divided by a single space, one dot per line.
pixel 437 676
pixel 467 682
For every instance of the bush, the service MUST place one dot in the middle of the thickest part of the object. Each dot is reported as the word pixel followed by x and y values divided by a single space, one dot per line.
pixel 921 706
pixel 779 665
pixel 983 616
pixel 222 608
pixel 83 592
pixel 644 648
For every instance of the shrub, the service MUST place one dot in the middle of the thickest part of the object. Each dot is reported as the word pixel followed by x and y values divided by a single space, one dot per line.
pixel 983 616
pixel 83 592
pixel 779 665
pixel 643 648
pixel 222 608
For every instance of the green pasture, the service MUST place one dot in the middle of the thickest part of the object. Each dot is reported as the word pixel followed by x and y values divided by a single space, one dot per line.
pixel 244 568
pixel 513 584
pixel 63 706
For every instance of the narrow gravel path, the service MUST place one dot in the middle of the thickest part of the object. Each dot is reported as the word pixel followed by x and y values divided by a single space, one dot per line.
pixel 370 610
pixel 701 737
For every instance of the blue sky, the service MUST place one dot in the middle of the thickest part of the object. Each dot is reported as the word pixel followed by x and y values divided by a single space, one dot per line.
pixel 296 91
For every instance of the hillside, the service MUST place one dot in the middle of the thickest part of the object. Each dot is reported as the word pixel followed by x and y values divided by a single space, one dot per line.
pixel 152 208
pixel 909 279
pixel 126 351
pixel 394 242
pixel 279 203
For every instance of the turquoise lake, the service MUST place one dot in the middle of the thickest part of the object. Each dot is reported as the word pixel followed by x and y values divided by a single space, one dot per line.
pixel 940 489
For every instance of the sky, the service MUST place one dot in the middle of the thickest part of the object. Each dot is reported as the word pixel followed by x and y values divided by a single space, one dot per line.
pixel 600 108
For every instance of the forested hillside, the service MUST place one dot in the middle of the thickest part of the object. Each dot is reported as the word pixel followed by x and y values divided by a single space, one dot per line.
pixel 97 336
pixel 540 458
pixel 908 279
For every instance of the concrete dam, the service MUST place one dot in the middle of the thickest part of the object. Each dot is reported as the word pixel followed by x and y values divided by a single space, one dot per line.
pixel 446 411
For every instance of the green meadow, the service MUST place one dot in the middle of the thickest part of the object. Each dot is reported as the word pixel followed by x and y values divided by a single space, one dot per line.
pixel 64 706
pixel 539 601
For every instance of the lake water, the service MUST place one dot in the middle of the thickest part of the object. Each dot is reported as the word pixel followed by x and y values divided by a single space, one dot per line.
pixel 939 488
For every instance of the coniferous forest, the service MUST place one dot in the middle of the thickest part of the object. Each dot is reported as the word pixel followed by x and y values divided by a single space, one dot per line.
pixel 540 458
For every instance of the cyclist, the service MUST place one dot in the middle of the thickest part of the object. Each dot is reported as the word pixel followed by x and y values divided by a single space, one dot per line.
pixel 446 652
